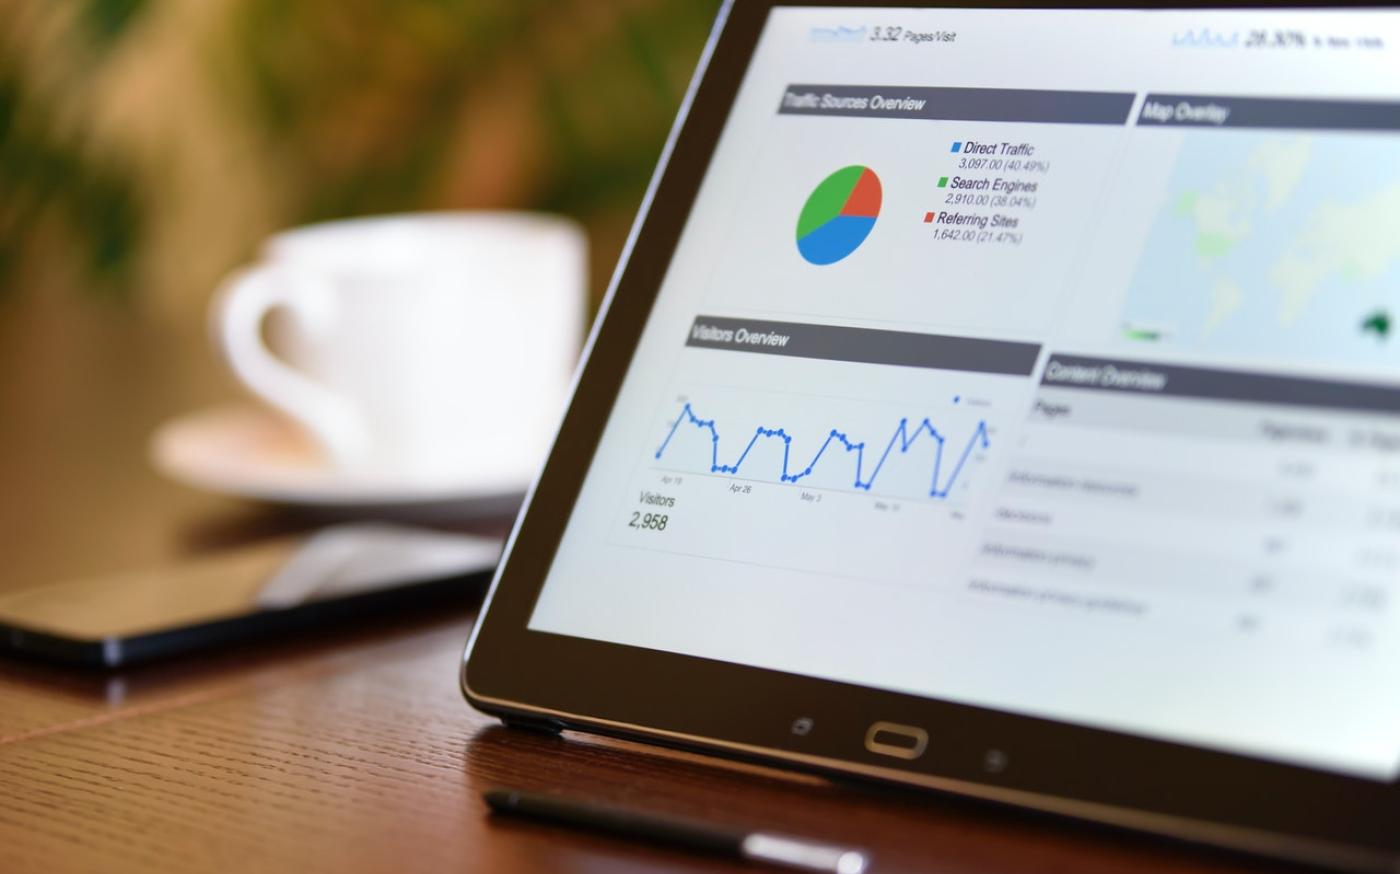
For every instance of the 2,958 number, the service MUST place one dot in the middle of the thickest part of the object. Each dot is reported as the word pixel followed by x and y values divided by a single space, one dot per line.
pixel 648 521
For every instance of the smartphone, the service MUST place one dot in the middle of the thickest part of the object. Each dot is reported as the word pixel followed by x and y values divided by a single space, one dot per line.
pixel 274 586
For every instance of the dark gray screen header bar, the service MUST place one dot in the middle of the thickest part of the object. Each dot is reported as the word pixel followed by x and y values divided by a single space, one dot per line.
pixel 863 345
pixel 1169 380
pixel 1198 110
pixel 958 104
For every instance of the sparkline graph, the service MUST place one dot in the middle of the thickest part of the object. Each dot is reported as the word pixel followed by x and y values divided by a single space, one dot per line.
pixel 902 439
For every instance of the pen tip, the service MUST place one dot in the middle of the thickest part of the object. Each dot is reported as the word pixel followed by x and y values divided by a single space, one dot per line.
pixel 852 862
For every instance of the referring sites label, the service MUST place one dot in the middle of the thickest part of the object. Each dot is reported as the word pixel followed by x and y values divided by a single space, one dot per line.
pixel 989 191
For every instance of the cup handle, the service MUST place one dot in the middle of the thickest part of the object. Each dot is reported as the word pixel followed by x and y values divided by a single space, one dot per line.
pixel 240 308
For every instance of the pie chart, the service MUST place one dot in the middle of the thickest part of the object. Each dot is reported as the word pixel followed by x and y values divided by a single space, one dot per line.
pixel 839 215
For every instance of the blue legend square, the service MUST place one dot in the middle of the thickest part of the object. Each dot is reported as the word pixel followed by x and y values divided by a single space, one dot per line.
pixel 957 147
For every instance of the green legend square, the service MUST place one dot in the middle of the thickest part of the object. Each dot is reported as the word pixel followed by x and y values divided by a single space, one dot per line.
pixel 943 182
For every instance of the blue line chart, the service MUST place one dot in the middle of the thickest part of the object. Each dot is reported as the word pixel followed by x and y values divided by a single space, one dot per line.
pixel 902 439
pixel 1205 38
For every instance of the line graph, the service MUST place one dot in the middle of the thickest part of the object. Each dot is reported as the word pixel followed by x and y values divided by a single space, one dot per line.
pixel 1205 38
pixel 903 439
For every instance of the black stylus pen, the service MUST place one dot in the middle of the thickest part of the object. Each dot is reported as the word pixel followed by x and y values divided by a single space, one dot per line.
pixel 701 837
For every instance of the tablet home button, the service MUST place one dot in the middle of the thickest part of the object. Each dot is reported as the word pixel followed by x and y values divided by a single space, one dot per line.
pixel 893 739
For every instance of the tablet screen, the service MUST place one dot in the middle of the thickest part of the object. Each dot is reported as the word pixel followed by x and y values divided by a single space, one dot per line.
pixel 1043 361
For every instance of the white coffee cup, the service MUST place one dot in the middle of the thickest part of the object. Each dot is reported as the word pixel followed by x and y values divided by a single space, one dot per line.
pixel 420 347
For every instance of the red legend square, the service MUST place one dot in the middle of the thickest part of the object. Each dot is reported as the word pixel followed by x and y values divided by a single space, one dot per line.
pixel 928 218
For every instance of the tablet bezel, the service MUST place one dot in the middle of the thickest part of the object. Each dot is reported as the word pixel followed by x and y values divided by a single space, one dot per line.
pixel 566 682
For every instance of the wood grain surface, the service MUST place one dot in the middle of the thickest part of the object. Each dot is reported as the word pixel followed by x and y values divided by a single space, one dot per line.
pixel 355 752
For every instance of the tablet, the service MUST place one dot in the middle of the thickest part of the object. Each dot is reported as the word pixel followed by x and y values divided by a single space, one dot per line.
pixel 1003 401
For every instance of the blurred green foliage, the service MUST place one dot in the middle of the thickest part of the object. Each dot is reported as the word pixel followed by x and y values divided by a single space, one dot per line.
pixel 106 20
pixel 358 107
pixel 49 175
pixel 604 80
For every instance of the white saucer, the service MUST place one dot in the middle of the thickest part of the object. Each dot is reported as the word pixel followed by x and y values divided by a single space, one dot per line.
pixel 249 451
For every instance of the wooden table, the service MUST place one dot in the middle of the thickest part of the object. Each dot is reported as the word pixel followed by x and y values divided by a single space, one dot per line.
pixel 350 749
pixel 355 752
